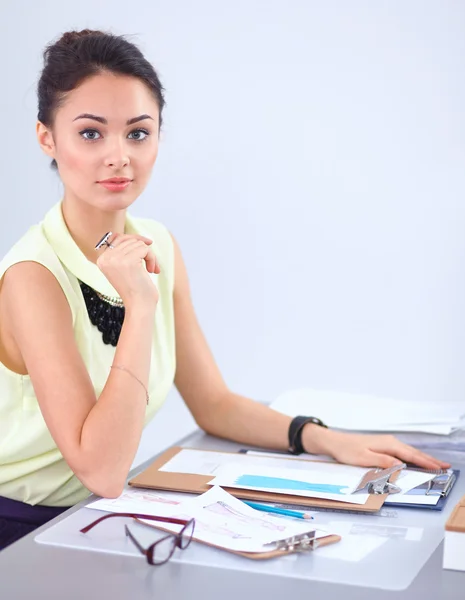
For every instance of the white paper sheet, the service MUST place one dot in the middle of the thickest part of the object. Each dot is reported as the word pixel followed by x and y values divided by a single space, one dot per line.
pixel 146 502
pixel 203 462
pixel 327 481
pixel 264 453
pixel 369 413
pixel 405 499
pixel 454 442
pixel 408 480
pixel 225 521
pixel 443 430
pixel 351 548
pixel 361 539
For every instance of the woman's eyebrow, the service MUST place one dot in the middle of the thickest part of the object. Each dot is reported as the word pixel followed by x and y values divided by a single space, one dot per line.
pixel 136 119
pixel 105 122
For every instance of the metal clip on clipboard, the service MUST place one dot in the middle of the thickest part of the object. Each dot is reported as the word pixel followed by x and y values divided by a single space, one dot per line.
pixel 377 481
pixel 442 482
pixel 304 542
pixel 440 485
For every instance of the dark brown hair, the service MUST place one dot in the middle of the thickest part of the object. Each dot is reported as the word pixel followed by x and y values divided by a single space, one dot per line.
pixel 78 55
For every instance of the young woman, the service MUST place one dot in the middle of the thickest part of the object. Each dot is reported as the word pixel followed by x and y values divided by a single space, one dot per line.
pixel 96 319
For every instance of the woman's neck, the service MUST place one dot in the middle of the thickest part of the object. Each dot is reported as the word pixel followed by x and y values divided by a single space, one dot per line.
pixel 87 225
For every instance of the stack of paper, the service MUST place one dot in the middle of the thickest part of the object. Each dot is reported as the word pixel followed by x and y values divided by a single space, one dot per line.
pixel 220 519
pixel 310 480
pixel 358 412
pixel 454 442
pixel 318 481
pixel 327 481
pixel 287 475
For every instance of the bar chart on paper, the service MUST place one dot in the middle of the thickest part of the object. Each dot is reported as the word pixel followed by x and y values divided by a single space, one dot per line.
pixel 287 485
pixel 316 481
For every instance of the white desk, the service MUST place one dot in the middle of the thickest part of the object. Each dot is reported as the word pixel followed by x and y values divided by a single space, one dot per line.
pixel 31 570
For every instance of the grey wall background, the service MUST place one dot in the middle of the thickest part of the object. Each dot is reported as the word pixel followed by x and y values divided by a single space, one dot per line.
pixel 312 169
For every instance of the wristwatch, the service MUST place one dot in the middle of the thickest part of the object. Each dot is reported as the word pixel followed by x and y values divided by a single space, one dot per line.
pixel 295 432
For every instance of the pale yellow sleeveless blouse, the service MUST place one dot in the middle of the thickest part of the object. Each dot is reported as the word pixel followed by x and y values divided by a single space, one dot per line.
pixel 32 468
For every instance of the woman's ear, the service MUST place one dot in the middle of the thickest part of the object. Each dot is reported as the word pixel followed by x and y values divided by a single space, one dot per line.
pixel 45 139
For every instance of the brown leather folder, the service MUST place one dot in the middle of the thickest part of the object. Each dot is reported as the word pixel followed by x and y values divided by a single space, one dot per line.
pixel 153 478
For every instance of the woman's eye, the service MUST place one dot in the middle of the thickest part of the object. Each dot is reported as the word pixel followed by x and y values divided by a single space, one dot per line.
pixel 139 135
pixel 90 134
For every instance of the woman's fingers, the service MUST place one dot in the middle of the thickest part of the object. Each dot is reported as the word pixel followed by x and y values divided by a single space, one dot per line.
pixel 151 262
pixel 387 459
pixel 378 451
pixel 125 245
pixel 117 239
pixel 141 238
pixel 121 239
pixel 408 454
pixel 411 455
pixel 144 252
pixel 383 461
pixel 157 268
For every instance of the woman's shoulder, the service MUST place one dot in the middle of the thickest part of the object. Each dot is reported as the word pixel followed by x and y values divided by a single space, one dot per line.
pixel 32 245
pixel 32 242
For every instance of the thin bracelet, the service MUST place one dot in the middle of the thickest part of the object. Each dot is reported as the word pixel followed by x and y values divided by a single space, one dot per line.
pixel 132 375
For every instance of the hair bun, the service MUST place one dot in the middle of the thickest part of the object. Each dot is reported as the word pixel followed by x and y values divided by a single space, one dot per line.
pixel 70 37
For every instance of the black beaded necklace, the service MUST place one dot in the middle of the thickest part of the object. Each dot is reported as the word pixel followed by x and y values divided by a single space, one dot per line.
pixel 107 314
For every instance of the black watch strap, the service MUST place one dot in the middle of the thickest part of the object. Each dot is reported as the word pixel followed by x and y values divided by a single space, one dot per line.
pixel 295 432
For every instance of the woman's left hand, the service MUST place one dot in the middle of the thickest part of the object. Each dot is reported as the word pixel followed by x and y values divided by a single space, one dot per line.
pixel 365 450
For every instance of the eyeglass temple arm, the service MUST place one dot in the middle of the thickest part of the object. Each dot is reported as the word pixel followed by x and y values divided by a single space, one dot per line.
pixel 134 516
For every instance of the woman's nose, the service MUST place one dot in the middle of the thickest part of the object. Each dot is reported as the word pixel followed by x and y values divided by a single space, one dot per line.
pixel 117 157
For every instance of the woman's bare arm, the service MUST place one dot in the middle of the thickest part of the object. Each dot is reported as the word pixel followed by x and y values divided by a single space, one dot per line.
pixel 97 439
pixel 225 414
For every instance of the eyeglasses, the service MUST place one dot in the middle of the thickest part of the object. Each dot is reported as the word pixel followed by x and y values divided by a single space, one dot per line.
pixel 162 550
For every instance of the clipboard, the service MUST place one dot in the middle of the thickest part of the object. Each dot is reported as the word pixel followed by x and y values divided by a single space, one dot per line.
pixel 153 478
pixel 440 486
pixel 297 544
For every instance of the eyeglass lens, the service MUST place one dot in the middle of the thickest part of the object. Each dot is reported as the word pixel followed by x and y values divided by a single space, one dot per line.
pixel 187 534
pixel 163 549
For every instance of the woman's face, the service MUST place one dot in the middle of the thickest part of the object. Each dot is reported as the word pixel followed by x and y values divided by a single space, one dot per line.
pixel 106 128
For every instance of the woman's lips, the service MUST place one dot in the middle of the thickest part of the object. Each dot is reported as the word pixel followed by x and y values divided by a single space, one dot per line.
pixel 115 185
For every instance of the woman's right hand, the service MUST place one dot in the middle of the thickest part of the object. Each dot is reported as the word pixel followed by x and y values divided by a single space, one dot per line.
pixel 127 266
